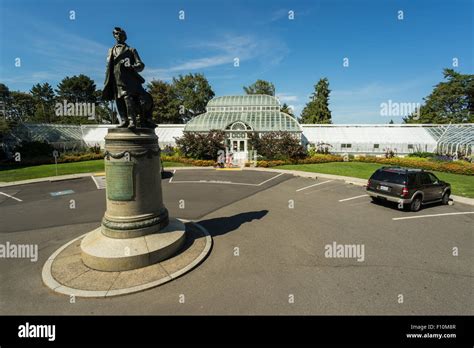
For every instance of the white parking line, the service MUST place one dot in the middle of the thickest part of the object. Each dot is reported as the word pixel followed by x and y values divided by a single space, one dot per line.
pixel 432 215
pixel 6 194
pixel 319 183
pixel 212 182
pixel 349 199
pixel 99 182
pixel 263 182
pixel 222 182
pixel 172 176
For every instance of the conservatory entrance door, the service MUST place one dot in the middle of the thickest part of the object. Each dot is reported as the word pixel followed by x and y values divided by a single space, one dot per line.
pixel 238 142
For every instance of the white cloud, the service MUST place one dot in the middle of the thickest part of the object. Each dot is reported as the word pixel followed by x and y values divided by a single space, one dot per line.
pixel 287 98
pixel 267 52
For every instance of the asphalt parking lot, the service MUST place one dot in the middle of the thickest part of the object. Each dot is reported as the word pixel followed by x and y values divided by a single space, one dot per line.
pixel 271 236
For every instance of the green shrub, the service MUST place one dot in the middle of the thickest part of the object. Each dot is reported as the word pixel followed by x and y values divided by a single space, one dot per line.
pixel 203 146
pixel 194 162
pixel 318 158
pixel 277 146
pixel 95 149
pixel 421 154
pixel 34 149
pixel 455 167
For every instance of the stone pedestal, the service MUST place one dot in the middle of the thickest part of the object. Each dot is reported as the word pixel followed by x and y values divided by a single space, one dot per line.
pixel 136 230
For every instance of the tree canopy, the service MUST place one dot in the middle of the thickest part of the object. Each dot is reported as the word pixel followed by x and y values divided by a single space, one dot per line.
pixel 182 99
pixel 260 87
pixel 192 91
pixel 450 101
pixel 317 109
pixel 165 106
pixel 287 109
pixel 43 96
pixel 77 89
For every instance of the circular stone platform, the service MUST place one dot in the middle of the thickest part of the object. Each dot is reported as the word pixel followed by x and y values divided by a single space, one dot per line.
pixel 65 273
pixel 104 253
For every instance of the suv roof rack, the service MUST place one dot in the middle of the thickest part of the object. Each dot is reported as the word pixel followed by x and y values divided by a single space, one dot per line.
pixel 404 168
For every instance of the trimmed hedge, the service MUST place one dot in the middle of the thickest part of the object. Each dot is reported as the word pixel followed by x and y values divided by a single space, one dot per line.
pixel 455 167
pixel 79 158
pixel 320 158
pixel 63 158
pixel 194 162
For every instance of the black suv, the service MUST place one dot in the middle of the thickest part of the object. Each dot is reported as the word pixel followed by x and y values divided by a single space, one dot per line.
pixel 410 188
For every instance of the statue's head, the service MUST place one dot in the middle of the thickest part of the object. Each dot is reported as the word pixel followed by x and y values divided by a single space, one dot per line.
pixel 120 35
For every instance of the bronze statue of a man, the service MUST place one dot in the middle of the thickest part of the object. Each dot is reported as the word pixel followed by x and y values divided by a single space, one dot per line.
pixel 123 84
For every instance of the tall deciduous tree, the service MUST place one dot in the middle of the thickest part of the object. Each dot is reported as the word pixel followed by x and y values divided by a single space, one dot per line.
pixel 165 104
pixel 192 91
pixel 4 100
pixel 317 109
pixel 182 99
pixel 451 101
pixel 260 87
pixel 21 107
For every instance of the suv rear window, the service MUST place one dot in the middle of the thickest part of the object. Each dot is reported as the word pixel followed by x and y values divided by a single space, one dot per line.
pixel 389 176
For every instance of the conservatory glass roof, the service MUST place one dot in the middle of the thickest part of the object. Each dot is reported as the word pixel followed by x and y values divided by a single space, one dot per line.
pixel 260 113
pixel 453 135
pixel 252 100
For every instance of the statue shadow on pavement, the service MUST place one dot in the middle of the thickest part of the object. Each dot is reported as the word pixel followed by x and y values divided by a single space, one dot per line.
pixel 223 225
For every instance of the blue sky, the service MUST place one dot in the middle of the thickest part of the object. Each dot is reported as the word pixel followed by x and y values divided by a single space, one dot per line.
pixel 389 59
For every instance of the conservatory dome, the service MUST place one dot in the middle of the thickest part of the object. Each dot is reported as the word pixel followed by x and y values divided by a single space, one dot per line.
pixel 258 113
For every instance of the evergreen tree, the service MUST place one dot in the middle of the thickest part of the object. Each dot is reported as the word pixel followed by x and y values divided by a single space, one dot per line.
pixel 74 89
pixel 287 110
pixel 317 109
pixel 43 96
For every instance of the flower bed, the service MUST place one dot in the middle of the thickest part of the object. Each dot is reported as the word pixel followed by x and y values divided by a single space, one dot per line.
pixel 455 167
pixel 190 161
pixel 309 160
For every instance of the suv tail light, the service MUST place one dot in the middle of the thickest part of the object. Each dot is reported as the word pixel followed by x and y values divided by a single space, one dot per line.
pixel 405 192
pixel 368 184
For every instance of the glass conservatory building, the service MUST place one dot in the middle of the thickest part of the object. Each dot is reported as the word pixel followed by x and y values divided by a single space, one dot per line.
pixel 238 116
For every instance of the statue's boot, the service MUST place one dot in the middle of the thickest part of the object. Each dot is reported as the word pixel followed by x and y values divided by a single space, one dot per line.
pixel 131 124
pixel 123 124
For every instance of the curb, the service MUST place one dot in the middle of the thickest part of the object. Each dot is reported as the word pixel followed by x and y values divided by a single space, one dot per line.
pixel 59 288
pixel 76 176
pixel 49 178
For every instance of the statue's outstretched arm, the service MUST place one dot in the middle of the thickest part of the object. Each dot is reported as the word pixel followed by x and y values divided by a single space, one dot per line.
pixel 139 65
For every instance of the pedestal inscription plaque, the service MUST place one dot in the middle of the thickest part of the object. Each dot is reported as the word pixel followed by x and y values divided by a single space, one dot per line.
pixel 119 180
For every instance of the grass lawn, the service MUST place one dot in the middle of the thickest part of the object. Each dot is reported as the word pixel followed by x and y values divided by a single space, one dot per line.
pixel 462 185
pixel 46 170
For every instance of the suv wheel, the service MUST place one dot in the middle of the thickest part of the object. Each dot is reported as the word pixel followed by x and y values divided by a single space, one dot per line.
pixel 415 204
pixel 445 199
